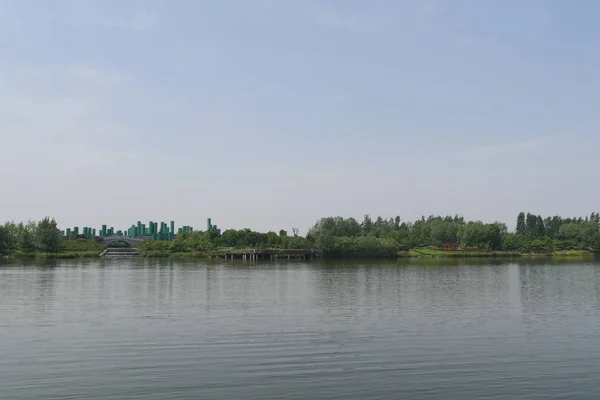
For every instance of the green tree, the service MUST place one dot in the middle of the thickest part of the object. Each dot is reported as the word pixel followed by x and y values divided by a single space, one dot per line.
pixel 553 225
pixel 201 241
pixel 47 236
pixel 180 243
pixel 484 236
pixel 589 235
pixel 326 242
pixel 4 241
pixel 189 242
pixel 531 225
pixel 26 236
pixel 513 242
pixel 420 233
pixel 540 228
pixel 11 236
pixel 445 231
pixel 229 238
pixel 569 230
pixel 273 240
pixel 336 227
pixel 521 227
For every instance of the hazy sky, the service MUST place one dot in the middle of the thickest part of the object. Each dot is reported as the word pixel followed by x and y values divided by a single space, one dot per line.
pixel 271 114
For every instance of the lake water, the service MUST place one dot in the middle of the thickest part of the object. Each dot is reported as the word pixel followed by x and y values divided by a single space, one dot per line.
pixel 150 329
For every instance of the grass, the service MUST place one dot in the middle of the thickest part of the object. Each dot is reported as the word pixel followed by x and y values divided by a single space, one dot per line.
pixel 432 252
pixel 155 254
pixel 77 246
pixel 61 254
pixel 573 253
pixel 439 253
pixel 73 249
pixel 562 253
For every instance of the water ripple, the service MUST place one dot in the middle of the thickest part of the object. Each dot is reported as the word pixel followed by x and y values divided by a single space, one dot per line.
pixel 299 331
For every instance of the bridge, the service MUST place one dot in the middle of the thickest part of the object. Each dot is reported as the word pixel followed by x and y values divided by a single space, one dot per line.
pixel 131 241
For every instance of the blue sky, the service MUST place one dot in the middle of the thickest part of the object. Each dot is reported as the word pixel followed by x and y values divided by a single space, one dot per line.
pixel 272 113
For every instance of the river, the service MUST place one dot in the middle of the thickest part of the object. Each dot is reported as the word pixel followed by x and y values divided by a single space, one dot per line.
pixel 157 329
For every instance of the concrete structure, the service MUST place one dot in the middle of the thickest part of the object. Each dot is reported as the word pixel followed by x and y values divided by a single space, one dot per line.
pixel 272 254
pixel 131 241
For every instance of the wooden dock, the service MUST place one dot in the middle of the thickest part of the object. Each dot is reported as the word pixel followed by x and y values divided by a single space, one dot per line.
pixel 271 254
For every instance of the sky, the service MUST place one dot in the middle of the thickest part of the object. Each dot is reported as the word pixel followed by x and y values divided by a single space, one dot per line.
pixel 269 114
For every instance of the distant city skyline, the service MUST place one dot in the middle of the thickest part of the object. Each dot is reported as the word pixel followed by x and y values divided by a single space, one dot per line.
pixel 138 228
pixel 271 114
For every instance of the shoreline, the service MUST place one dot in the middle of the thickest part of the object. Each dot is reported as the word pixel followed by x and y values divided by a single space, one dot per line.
pixel 409 254
pixel 434 237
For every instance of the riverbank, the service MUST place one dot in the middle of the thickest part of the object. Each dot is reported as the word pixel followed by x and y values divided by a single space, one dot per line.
pixel 427 253
pixel 73 249
pixel 59 255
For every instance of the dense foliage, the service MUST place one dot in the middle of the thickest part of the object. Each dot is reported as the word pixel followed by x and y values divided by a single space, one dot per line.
pixel 208 241
pixel 554 233
pixel 42 236
pixel 347 237
pixel 533 234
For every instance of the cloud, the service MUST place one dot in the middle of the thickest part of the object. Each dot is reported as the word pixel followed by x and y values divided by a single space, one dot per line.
pixel 336 19
pixel 88 14
pixel 18 19
pixel 272 4
pixel 10 21
pixel 61 128
pixel 98 75
pixel 428 7
pixel 517 146
pixel 26 72
pixel 349 20
pixel 330 16
pixel 139 21
pixel 60 78
pixel 338 96
pixel 466 40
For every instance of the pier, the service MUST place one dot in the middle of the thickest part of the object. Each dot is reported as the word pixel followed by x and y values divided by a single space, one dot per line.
pixel 271 255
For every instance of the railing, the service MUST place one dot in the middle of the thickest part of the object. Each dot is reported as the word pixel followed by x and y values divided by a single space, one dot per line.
pixel 124 238
pixel 271 251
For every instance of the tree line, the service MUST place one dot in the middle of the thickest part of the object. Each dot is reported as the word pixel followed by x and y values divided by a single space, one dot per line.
pixel 347 237
pixel 42 236
pixel 207 241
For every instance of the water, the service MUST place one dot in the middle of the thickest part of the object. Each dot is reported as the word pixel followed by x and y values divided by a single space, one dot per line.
pixel 149 329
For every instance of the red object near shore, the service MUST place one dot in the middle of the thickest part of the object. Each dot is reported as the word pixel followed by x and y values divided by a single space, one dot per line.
pixel 450 246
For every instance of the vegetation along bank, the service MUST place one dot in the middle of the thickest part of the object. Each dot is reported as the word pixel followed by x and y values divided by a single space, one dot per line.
pixel 338 237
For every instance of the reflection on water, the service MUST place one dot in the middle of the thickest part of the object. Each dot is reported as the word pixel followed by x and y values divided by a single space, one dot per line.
pixel 160 329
